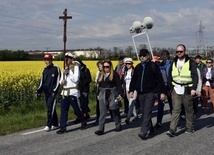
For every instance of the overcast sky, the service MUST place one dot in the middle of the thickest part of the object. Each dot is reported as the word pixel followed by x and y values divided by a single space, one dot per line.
pixel 35 24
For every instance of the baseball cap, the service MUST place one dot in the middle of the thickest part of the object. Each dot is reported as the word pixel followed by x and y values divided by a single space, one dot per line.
pixel 48 57
pixel 143 52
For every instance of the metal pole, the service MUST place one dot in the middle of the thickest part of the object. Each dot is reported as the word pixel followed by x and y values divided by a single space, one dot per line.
pixel 150 48
pixel 135 48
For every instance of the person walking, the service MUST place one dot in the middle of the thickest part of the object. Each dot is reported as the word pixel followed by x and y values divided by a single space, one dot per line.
pixel 120 68
pixel 208 85
pixel 84 87
pixel 164 66
pixel 200 65
pixel 70 93
pixel 127 76
pixel 183 78
pixel 110 93
pixel 98 74
pixel 147 81
pixel 49 84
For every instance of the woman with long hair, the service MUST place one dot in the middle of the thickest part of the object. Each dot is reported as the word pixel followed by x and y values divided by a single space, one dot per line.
pixel 110 93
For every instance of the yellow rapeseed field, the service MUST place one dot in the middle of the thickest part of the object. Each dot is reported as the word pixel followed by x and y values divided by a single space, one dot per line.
pixel 20 79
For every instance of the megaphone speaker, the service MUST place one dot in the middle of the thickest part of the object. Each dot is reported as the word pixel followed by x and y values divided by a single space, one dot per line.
pixel 147 23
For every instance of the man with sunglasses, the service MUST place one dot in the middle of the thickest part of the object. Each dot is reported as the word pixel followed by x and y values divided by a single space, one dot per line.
pixel 183 78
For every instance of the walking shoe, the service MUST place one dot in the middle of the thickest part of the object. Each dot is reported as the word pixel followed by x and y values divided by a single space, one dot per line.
pixel 96 123
pixel 143 136
pixel 188 130
pixel 157 126
pixel 87 116
pixel 127 121
pixel 118 129
pixel 47 129
pixel 76 121
pixel 135 119
pixel 61 131
pixel 99 132
pixel 54 127
pixel 83 126
pixel 170 133
pixel 124 114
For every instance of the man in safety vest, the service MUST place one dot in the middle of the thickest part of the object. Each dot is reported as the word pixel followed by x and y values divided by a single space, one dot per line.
pixel 183 78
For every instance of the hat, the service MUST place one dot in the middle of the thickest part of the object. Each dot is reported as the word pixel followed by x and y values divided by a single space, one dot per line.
pixel 48 57
pixel 69 55
pixel 128 60
pixel 198 57
pixel 79 61
pixel 143 52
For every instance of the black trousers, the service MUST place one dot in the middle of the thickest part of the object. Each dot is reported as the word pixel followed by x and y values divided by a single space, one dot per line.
pixel 84 102
pixel 126 105
pixel 52 118
pixel 146 104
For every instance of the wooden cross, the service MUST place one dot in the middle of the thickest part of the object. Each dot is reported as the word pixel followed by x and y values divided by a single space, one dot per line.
pixel 65 17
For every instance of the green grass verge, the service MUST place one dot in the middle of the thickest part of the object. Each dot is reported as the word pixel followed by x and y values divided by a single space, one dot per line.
pixel 31 116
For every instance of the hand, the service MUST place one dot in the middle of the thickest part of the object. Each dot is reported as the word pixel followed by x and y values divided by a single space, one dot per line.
pixel 162 97
pixel 65 71
pixel 63 82
pixel 119 98
pixel 53 94
pixel 97 97
pixel 131 94
pixel 193 92
pixel 199 93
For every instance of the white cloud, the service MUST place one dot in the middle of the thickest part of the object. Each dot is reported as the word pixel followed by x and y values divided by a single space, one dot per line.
pixel 103 23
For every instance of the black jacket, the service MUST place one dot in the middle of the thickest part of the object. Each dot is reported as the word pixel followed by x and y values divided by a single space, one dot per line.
pixel 85 79
pixel 148 79
pixel 192 68
pixel 49 82
pixel 116 82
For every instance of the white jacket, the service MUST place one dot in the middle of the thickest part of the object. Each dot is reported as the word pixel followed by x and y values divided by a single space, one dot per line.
pixel 72 78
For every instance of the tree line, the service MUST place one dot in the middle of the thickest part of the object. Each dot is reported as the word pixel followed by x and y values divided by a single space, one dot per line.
pixel 9 55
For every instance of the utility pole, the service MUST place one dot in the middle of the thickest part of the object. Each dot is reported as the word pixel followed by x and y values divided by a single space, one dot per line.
pixel 200 39
pixel 65 17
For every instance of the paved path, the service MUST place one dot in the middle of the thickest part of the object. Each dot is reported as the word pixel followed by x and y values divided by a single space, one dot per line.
pixel 126 142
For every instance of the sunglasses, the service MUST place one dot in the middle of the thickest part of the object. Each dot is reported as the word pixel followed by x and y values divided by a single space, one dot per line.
pixel 208 62
pixel 106 66
pixel 179 51
pixel 128 63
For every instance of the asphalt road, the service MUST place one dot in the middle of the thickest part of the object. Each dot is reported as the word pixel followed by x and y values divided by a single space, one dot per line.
pixel 85 142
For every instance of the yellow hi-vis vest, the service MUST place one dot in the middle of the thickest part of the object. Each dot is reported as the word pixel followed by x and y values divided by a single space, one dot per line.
pixel 183 77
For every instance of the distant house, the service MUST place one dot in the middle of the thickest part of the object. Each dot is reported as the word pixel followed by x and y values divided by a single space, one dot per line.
pixel 87 53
